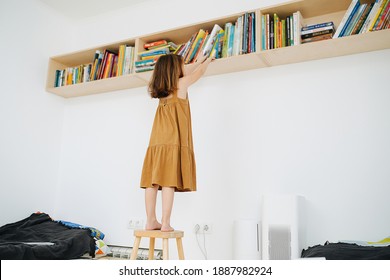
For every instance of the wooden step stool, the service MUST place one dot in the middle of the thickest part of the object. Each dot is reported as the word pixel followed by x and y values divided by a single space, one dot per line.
pixel 153 234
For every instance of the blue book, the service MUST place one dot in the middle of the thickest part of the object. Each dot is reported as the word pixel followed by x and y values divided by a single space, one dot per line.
pixel 346 17
pixel 354 11
pixel 263 35
pixel 315 26
pixel 231 40
pixel 155 53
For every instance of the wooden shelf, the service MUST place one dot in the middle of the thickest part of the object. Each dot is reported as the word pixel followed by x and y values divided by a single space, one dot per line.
pixel 328 48
pixel 313 11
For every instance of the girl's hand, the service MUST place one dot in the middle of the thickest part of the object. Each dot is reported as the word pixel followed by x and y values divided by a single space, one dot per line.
pixel 201 58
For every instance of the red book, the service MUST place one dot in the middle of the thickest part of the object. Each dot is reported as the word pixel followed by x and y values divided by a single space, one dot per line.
pixel 154 44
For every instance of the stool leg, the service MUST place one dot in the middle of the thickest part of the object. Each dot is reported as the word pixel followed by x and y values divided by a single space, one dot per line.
pixel 151 248
pixel 135 248
pixel 180 248
pixel 165 249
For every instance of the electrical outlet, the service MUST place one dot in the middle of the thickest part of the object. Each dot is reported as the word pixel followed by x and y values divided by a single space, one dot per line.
pixel 135 223
pixel 203 228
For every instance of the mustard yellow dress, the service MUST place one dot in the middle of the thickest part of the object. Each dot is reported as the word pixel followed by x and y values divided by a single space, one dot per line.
pixel 169 159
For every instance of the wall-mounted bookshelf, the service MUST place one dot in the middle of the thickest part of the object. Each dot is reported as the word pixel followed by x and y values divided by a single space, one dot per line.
pixel 313 11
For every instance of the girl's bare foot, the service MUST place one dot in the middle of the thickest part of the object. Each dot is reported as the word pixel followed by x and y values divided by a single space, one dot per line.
pixel 166 228
pixel 152 225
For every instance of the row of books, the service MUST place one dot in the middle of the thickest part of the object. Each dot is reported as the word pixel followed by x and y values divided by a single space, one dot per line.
pixel 236 38
pixel 278 33
pixel 364 17
pixel 73 75
pixel 106 64
pixel 359 18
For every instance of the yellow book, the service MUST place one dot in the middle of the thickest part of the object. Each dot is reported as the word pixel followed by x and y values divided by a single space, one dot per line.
pixel 201 34
pixel 276 31
pixel 151 57
pixel 121 58
pixel 178 48
pixel 381 7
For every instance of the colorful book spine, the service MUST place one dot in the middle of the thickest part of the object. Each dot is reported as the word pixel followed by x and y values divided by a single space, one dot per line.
pixel 155 44
pixel 354 20
pixel 382 16
pixel 210 41
pixel 376 16
pixel 362 19
pixel 346 18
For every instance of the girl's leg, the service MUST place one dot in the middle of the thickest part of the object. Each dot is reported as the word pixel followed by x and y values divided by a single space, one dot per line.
pixel 167 204
pixel 150 205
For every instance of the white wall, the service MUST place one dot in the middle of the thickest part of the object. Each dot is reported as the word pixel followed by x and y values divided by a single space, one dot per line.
pixel 30 118
pixel 319 129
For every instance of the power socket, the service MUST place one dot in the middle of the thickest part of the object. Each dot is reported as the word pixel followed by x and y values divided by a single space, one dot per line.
pixel 135 223
pixel 203 228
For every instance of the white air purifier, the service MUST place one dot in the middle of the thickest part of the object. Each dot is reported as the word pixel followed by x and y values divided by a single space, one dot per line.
pixel 283 227
pixel 246 240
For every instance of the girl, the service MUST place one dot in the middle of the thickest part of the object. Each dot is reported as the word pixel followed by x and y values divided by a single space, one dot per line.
pixel 169 163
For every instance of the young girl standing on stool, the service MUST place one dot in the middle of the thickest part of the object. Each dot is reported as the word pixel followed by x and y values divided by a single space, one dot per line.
pixel 169 163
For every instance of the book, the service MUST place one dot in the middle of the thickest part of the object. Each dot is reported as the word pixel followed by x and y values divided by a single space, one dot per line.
pixel 218 41
pixel 155 44
pixel 317 38
pixel 298 23
pixel 253 48
pixel 211 39
pixel 318 33
pixel 162 50
pixel 146 62
pixel 354 20
pixel 346 18
pixel 198 39
pixel 128 60
pixel 121 56
pixel 362 19
pixel 276 31
pixel 263 32
pixel 189 45
pixel 226 39
pixel 376 16
pixel 382 16
pixel 318 27
pixel 230 41
pixel 370 18
pixel 199 46
pixel 144 68
pixel 288 32
pixel 271 32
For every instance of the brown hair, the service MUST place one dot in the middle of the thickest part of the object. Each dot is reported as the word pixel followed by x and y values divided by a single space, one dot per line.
pixel 166 74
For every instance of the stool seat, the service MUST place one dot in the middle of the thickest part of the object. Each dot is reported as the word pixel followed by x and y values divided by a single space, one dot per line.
pixel 152 235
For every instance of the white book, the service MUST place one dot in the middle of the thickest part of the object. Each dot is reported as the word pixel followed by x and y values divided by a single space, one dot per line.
pixel 210 42
pixel 241 31
pixel 345 18
pixel 127 61
pixel 298 24
pixel 329 27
